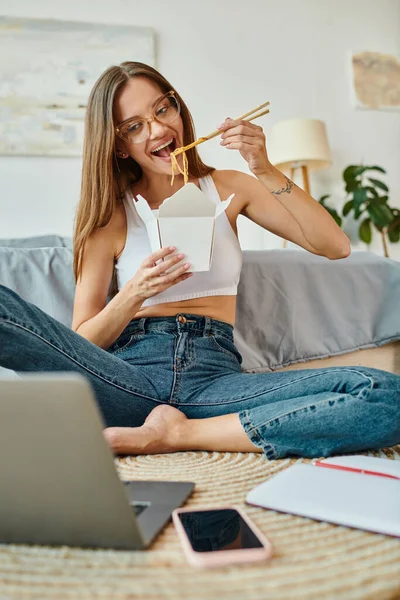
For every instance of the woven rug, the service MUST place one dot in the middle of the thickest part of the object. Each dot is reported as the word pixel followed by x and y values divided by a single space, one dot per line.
pixel 311 560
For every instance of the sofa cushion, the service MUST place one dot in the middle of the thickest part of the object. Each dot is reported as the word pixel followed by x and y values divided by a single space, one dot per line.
pixel 292 306
pixel 39 241
pixel 42 276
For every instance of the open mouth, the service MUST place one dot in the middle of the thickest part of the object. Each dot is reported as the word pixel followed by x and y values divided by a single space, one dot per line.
pixel 164 150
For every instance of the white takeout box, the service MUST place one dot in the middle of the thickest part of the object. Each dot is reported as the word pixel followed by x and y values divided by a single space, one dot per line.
pixel 185 220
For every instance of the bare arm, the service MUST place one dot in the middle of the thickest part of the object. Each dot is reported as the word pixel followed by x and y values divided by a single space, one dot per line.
pixel 317 226
pixel 93 318
pixel 256 203
pixel 102 323
pixel 275 202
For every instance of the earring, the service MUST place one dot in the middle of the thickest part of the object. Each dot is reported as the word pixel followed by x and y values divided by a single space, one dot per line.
pixel 122 154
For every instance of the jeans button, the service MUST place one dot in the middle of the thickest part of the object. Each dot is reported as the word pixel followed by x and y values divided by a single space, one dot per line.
pixel 182 319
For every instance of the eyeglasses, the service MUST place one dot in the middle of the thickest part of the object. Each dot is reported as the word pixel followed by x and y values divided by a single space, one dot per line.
pixel 137 130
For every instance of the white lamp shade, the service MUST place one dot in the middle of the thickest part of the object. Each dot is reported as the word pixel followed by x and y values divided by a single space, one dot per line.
pixel 297 142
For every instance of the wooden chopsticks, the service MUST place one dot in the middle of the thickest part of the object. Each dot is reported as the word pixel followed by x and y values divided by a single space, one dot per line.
pixel 249 116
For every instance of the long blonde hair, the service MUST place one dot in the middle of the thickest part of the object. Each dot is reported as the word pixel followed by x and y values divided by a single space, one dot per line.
pixel 105 176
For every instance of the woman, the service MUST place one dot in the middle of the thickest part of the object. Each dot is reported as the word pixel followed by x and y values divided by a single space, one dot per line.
pixel 161 350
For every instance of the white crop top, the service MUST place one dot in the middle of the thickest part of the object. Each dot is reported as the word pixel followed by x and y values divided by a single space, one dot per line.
pixel 221 280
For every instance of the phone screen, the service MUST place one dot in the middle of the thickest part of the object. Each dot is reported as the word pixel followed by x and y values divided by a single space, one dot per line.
pixel 212 530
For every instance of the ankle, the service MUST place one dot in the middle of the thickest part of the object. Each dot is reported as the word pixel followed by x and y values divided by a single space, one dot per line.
pixel 180 435
pixel 191 434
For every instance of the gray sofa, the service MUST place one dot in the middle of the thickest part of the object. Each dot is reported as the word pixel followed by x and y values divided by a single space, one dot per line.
pixel 295 310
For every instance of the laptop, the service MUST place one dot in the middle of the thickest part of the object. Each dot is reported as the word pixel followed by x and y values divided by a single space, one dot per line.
pixel 58 481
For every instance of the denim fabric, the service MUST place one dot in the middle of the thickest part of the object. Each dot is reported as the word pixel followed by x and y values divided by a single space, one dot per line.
pixel 191 363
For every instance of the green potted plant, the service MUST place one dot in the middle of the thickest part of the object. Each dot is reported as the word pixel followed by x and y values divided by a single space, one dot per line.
pixel 368 198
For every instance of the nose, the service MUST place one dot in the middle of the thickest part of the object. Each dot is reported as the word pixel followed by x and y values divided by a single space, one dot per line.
pixel 157 129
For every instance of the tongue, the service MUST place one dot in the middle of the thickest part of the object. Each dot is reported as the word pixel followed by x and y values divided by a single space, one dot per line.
pixel 164 152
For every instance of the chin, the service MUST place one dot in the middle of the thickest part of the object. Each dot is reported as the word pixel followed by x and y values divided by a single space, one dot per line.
pixel 163 169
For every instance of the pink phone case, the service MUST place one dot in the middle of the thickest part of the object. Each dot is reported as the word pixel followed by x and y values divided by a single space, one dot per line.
pixel 221 558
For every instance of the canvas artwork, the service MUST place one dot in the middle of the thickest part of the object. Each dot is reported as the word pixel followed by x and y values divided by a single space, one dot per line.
pixel 376 80
pixel 47 69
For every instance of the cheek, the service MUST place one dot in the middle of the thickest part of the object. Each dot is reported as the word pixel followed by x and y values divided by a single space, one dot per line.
pixel 179 128
pixel 137 152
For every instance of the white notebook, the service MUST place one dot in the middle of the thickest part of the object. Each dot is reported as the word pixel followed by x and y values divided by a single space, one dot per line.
pixel 355 491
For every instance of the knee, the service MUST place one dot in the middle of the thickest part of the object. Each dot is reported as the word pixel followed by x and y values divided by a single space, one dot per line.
pixel 9 301
pixel 375 379
pixel 12 307
pixel 356 381
pixel 382 414
pixel 5 295
pixel 384 380
pixel 6 292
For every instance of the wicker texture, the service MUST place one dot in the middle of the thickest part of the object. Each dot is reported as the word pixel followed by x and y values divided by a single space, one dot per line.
pixel 311 560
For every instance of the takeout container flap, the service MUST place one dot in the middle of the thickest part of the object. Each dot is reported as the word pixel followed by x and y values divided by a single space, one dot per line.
pixel 185 220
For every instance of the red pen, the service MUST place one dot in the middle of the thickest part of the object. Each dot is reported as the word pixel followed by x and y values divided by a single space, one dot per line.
pixel 319 463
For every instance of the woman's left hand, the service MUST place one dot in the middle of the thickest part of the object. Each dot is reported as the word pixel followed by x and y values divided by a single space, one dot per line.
pixel 249 139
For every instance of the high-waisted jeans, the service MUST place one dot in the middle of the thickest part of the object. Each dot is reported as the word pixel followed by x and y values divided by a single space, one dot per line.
pixel 191 363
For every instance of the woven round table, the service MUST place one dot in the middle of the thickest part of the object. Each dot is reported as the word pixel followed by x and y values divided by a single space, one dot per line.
pixel 312 560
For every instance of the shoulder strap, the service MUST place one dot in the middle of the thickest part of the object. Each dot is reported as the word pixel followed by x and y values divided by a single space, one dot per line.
pixel 130 209
pixel 208 186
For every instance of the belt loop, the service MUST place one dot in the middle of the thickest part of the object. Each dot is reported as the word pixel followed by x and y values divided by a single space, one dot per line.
pixel 207 325
pixel 141 324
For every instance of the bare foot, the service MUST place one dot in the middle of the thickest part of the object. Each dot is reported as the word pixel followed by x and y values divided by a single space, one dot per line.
pixel 161 432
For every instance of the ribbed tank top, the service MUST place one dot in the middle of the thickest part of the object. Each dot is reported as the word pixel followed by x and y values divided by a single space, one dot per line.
pixel 223 276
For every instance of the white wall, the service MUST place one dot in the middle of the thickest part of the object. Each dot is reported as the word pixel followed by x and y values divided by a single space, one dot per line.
pixel 224 57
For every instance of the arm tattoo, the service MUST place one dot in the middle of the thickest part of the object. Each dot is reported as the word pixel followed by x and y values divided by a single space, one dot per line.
pixel 285 190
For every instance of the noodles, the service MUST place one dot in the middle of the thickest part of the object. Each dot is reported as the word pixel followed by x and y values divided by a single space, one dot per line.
pixel 175 165
pixel 249 116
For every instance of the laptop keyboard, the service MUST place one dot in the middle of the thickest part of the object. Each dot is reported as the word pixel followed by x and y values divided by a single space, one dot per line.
pixel 139 507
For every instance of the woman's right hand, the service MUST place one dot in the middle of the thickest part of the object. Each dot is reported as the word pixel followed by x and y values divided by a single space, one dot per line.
pixel 152 278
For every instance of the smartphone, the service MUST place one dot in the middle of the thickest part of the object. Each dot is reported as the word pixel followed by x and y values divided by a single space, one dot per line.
pixel 220 536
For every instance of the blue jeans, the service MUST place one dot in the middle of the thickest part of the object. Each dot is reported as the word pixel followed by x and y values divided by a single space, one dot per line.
pixel 191 363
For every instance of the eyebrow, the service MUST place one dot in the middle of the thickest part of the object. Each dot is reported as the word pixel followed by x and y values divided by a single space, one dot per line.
pixel 152 106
